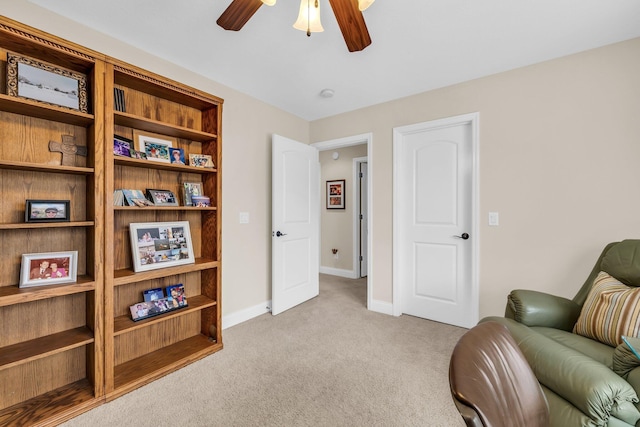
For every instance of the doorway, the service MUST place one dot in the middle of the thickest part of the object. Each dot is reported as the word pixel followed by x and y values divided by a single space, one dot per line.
pixel 348 142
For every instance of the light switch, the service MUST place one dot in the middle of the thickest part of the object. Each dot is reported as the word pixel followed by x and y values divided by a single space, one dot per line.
pixel 244 217
pixel 494 218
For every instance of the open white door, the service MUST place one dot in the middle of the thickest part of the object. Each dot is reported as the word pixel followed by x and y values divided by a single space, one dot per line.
pixel 295 223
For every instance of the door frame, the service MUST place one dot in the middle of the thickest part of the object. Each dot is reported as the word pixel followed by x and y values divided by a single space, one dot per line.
pixel 357 239
pixel 365 138
pixel 472 119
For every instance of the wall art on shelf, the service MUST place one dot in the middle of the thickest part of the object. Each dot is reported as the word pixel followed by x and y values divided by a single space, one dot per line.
pixel 155 147
pixel 162 197
pixel 177 156
pixel 190 189
pixel 201 161
pixel 48 268
pixel 47 211
pixel 335 194
pixel 46 83
pixel 122 146
pixel 157 245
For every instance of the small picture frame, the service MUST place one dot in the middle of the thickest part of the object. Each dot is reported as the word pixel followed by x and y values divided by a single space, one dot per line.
pixel 336 194
pixel 155 147
pixel 135 154
pixel 153 294
pixel 48 268
pixel 201 201
pixel 47 211
pixel 156 245
pixel 190 189
pixel 162 197
pixel 177 156
pixel 47 83
pixel 201 161
pixel 176 296
pixel 121 146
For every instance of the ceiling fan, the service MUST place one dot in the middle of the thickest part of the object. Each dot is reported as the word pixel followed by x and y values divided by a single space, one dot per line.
pixel 348 13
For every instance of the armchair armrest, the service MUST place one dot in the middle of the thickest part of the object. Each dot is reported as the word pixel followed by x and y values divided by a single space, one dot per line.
pixel 534 308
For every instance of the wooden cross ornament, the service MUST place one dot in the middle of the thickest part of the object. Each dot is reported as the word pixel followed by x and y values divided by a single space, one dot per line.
pixel 69 150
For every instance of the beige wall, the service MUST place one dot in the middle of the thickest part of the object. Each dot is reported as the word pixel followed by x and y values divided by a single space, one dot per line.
pixel 559 156
pixel 336 225
pixel 559 151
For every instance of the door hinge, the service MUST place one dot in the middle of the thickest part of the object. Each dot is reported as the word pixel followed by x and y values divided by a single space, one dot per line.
pixel 361 258
pixel 361 175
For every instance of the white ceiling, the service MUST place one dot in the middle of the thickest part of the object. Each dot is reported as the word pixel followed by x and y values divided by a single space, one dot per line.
pixel 418 45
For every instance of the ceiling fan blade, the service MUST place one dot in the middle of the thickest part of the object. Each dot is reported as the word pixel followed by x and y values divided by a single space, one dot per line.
pixel 238 13
pixel 351 22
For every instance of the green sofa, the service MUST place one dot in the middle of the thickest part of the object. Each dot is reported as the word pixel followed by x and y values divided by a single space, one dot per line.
pixel 586 382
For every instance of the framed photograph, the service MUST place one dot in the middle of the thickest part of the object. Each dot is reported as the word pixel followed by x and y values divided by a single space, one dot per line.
pixel 201 201
pixel 153 294
pixel 335 194
pixel 47 211
pixel 121 146
pixel 155 147
pixel 162 197
pixel 48 268
pixel 176 296
pixel 190 189
pixel 201 161
pixel 137 154
pixel 157 245
pixel 177 156
pixel 47 83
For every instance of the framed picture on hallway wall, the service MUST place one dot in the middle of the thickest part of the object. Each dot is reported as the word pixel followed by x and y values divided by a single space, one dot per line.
pixel 335 194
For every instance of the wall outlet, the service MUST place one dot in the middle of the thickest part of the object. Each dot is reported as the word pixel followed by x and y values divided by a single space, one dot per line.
pixel 494 219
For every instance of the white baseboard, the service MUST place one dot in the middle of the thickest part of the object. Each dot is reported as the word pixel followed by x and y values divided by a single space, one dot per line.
pixel 349 274
pixel 381 307
pixel 247 314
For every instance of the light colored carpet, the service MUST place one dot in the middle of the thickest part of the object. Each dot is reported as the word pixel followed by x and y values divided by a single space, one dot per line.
pixel 327 362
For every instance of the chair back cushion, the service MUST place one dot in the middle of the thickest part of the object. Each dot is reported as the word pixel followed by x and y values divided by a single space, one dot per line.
pixel 622 261
pixel 488 373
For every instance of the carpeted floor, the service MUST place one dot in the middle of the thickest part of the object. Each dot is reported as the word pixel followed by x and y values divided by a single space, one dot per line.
pixel 327 362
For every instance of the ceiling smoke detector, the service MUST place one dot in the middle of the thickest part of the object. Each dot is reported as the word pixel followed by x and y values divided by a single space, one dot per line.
pixel 327 93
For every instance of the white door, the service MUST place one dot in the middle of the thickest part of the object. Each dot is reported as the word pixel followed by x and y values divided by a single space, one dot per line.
pixel 434 235
pixel 364 218
pixel 295 223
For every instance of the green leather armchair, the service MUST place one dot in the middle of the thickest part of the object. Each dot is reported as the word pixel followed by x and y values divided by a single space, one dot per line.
pixel 577 374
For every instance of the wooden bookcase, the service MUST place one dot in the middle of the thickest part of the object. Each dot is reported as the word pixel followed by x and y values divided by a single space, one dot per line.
pixel 51 337
pixel 67 348
pixel 137 352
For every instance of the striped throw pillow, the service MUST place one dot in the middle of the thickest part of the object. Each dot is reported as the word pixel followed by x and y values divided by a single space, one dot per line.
pixel 610 311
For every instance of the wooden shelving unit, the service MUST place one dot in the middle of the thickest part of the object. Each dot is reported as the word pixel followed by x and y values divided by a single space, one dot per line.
pixel 139 352
pixel 81 334
pixel 54 329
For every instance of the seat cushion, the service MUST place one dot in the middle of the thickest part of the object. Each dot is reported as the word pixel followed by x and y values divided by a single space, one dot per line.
pixel 610 311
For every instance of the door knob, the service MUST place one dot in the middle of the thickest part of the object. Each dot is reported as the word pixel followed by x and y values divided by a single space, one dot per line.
pixel 464 236
pixel 278 234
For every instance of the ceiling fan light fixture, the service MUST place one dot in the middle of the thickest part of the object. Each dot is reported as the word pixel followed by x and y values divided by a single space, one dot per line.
pixel 269 2
pixel 309 17
pixel 364 4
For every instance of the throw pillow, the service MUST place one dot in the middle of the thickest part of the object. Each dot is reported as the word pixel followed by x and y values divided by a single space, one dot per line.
pixel 626 357
pixel 610 311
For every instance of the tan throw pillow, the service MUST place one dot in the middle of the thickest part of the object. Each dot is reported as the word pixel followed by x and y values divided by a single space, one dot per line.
pixel 610 311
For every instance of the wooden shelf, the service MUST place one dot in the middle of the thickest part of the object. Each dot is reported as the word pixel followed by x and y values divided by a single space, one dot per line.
pixel 38 167
pixel 149 164
pixel 10 295
pixel 31 108
pixel 38 348
pixel 44 225
pixel 163 208
pixel 52 408
pixel 126 276
pixel 153 365
pixel 124 324
pixel 154 126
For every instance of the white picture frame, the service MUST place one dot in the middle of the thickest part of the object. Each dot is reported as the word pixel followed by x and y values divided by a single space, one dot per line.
pixel 157 148
pixel 157 245
pixel 38 269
